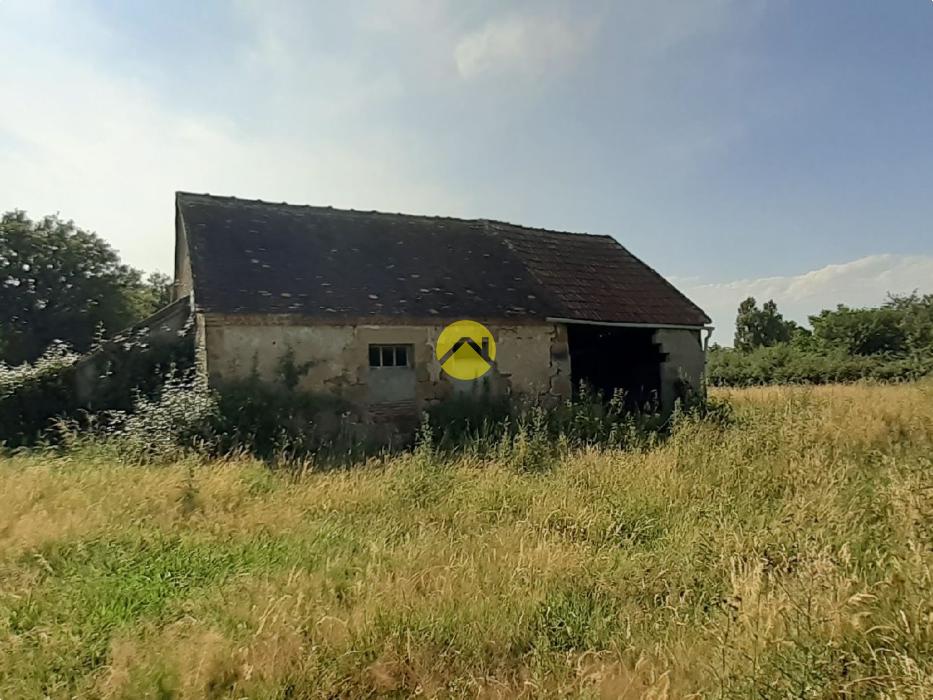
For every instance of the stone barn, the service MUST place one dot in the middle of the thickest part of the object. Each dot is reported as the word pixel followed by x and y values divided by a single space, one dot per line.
pixel 355 302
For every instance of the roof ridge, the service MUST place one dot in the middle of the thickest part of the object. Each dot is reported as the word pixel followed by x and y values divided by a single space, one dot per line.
pixel 486 222
pixel 539 229
pixel 316 207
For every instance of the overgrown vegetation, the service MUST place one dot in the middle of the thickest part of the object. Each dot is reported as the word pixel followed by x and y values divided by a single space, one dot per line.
pixel 150 404
pixel 892 342
pixel 120 376
pixel 287 426
pixel 785 552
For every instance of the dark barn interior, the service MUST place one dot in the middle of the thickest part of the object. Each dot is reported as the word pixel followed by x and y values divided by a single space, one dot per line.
pixel 609 358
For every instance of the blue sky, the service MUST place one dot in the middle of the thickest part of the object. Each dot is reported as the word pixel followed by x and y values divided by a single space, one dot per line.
pixel 770 147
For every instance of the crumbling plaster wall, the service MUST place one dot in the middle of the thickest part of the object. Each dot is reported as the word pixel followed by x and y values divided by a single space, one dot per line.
pixel 684 364
pixel 531 360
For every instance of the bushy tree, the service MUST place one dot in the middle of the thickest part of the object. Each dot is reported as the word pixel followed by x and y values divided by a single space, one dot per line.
pixel 60 282
pixel 764 327
pixel 916 321
pixel 859 331
pixel 901 326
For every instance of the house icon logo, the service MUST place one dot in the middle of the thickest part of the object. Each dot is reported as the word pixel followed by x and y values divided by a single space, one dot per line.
pixel 466 350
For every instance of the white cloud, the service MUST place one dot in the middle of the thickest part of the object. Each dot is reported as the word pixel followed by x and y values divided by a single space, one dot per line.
pixel 863 282
pixel 554 36
pixel 525 45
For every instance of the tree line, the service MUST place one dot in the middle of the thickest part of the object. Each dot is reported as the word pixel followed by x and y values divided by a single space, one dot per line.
pixel 892 341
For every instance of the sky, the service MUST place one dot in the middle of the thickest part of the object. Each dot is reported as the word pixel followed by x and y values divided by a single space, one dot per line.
pixel 775 148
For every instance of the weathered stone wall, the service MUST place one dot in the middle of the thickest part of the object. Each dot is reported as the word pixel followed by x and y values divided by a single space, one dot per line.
pixel 684 365
pixel 531 360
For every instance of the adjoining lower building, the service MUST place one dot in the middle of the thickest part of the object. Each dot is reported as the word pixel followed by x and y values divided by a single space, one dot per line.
pixel 355 302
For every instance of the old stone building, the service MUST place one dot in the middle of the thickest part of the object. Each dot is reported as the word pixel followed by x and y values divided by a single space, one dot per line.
pixel 355 302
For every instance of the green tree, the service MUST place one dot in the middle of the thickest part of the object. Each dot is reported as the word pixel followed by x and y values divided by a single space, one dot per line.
pixel 155 293
pixel 916 321
pixel 764 327
pixel 861 331
pixel 800 337
pixel 746 325
pixel 59 282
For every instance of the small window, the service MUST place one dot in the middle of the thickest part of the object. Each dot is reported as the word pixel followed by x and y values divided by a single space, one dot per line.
pixel 389 355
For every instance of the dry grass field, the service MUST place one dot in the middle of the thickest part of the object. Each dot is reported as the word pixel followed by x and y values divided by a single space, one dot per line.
pixel 788 553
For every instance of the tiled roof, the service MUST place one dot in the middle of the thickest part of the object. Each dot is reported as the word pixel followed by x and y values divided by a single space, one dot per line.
pixel 253 257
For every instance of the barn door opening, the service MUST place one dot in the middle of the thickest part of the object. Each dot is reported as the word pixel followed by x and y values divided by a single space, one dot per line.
pixel 608 358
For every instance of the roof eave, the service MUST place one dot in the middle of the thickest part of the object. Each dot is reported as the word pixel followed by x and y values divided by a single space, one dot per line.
pixel 618 324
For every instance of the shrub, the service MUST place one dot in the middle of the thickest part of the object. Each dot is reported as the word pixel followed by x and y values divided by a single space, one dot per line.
pixel 32 394
pixel 790 364
pixel 181 417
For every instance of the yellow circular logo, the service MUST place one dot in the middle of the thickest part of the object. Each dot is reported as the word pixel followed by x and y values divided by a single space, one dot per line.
pixel 466 350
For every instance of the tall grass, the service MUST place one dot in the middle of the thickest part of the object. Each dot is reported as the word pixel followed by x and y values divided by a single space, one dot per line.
pixel 785 553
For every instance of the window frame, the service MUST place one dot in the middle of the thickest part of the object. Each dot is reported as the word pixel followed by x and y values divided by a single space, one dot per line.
pixel 379 351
